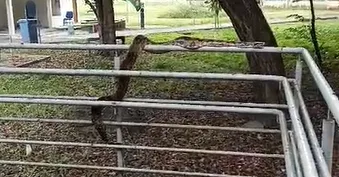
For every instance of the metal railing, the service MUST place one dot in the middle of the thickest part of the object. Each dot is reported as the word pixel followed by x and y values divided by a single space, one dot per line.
pixel 302 152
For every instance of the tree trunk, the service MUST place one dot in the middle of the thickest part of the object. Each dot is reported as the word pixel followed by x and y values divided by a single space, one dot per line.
pixel 314 37
pixel 105 12
pixel 250 25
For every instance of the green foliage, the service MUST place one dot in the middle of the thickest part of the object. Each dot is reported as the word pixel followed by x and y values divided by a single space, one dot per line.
pixel 214 7
pixel 301 32
pixel 188 11
pixel 297 35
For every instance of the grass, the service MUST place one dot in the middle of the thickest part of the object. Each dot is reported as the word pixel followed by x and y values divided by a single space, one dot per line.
pixel 187 11
pixel 190 62
pixel 154 15
pixel 293 35
pixel 159 14
pixel 53 85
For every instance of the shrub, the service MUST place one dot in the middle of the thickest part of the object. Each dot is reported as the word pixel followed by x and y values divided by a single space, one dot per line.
pixel 188 11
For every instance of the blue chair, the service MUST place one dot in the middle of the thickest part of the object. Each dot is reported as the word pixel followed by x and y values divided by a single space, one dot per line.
pixel 69 18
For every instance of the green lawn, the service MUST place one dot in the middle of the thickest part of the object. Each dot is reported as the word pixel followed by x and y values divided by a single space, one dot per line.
pixel 292 35
pixel 155 13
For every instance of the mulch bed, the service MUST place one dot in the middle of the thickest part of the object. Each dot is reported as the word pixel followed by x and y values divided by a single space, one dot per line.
pixel 163 137
pixel 21 60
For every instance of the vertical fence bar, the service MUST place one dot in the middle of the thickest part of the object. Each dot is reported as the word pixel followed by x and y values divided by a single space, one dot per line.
pixel 117 113
pixel 316 148
pixel 142 16
pixel 295 156
pixel 298 79
pixel 306 156
pixel 327 140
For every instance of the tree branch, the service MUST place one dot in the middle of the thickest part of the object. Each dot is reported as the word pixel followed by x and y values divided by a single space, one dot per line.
pixel 94 9
pixel 314 37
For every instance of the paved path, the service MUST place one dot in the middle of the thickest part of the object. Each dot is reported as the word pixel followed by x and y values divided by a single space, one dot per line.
pixel 56 36
pixel 82 35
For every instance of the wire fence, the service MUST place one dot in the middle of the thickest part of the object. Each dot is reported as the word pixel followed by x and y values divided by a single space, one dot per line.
pixel 302 152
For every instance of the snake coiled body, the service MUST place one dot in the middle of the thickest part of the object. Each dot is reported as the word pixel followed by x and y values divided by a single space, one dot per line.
pixel 134 52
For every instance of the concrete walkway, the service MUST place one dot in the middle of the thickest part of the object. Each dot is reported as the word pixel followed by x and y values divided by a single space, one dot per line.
pixel 83 35
pixel 57 36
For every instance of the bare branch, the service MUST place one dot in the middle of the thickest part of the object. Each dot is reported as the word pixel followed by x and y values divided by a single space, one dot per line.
pixel 94 9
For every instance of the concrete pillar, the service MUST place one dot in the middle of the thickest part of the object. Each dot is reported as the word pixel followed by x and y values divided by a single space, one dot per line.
pixel 75 11
pixel 49 13
pixel 10 17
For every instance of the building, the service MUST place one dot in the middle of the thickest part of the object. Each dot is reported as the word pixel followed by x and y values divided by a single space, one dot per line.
pixel 50 13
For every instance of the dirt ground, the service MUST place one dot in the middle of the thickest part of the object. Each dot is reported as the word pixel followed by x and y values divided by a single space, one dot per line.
pixel 20 60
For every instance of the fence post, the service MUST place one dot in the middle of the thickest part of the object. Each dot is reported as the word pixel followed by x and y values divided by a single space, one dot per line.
pixel 118 115
pixel 294 151
pixel 327 140
pixel 298 80
pixel 142 16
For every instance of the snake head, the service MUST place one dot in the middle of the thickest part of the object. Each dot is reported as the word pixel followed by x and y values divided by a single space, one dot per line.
pixel 141 40
pixel 138 44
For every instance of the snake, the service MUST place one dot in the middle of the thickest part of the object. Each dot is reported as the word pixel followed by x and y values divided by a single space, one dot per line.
pixel 134 51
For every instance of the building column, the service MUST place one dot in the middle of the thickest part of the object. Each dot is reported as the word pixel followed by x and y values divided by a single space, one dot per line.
pixel 10 17
pixel 49 13
pixel 75 11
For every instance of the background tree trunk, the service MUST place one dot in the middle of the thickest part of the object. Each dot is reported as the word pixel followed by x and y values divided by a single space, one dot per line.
pixel 105 15
pixel 250 25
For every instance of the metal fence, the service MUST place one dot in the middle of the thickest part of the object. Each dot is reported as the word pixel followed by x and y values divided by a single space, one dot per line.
pixel 302 151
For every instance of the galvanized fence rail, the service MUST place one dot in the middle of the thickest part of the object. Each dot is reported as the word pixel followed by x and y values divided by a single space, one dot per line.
pixel 302 152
